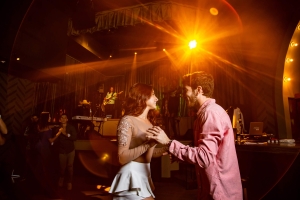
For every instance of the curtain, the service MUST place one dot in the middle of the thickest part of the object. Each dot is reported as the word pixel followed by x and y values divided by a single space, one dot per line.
pixel 130 16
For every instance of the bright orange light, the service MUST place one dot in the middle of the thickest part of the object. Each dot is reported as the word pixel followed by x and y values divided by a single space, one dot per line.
pixel 107 189
pixel 164 49
pixel 288 60
pixel 214 11
pixel 294 44
pixel 99 187
pixel 105 157
pixel 193 44
pixel 286 79
pixel 135 53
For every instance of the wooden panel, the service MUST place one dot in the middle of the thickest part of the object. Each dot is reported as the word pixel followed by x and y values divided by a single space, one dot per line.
pixel 17 95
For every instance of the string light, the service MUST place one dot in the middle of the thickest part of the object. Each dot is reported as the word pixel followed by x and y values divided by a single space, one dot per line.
pixel 294 44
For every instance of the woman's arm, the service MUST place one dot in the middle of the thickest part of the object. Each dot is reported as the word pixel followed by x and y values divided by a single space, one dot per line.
pixel 124 139
pixel 161 151
pixel 51 140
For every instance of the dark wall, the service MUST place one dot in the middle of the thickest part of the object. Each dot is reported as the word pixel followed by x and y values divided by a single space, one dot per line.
pixel 267 29
pixel 35 32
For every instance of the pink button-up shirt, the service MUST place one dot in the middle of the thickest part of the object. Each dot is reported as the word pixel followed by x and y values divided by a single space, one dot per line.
pixel 214 154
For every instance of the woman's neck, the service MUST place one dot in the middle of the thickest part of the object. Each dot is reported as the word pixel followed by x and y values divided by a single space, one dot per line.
pixel 144 114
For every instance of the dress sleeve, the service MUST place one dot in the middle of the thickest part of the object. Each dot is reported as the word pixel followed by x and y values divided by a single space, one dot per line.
pixel 158 152
pixel 124 139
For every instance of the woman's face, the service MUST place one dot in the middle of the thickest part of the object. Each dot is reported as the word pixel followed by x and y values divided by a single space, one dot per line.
pixel 151 102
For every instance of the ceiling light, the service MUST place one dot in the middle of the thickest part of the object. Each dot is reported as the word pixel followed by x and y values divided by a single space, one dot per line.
pixel 135 53
pixel 18 59
pixel 164 49
pixel 193 44
pixel 288 60
pixel 2 61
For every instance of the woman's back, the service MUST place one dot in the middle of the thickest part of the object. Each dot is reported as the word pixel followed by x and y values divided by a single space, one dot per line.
pixel 43 145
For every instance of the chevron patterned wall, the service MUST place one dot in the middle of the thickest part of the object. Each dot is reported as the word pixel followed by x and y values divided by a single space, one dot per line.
pixel 16 101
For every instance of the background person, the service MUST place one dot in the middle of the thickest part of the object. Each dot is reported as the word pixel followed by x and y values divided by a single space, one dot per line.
pixel 32 137
pixel 214 154
pixel 45 163
pixel 109 102
pixel 67 134
pixel 7 163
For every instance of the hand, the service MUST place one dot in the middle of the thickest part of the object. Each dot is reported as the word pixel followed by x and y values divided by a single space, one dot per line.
pixel 152 142
pixel 158 134
pixel 173 158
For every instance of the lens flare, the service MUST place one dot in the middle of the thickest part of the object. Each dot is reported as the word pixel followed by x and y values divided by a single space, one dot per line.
pixel 193 44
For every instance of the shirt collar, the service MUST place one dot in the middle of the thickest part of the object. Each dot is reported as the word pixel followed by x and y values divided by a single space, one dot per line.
pixel 205 104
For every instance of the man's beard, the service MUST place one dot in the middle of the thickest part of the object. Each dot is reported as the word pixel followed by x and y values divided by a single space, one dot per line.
pixel 192 101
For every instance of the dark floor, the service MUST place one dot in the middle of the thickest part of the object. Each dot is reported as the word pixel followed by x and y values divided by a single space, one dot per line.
pixel 85 188
pixel 90 173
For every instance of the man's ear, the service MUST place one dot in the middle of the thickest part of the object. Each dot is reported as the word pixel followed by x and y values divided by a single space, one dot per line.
pixel 199 90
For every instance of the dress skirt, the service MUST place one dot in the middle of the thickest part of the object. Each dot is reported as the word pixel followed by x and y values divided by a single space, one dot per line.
pixel 132 182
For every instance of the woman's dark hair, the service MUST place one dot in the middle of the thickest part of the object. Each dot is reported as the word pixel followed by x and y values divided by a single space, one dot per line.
pixel 43 120
pixel 135 103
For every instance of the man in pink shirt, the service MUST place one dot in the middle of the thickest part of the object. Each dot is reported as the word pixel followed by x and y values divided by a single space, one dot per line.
pixel 213 154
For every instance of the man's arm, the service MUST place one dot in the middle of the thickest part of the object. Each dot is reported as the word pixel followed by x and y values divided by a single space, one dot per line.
pixel 71 132
pixel 3 127
pixel 207 147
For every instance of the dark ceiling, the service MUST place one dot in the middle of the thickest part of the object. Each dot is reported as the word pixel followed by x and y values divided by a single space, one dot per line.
pixel 36 32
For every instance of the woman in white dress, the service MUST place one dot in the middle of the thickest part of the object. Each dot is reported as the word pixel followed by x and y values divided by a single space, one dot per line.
pixel 133 181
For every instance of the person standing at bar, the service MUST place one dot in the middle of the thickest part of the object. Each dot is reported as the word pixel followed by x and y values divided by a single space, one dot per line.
pixel 213 154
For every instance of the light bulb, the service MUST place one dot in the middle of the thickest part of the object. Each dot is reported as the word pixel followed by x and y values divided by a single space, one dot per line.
pixel 294 44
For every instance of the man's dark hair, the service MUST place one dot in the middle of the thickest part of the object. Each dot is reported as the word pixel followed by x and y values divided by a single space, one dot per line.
pixel 201 78
pixel 64 114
